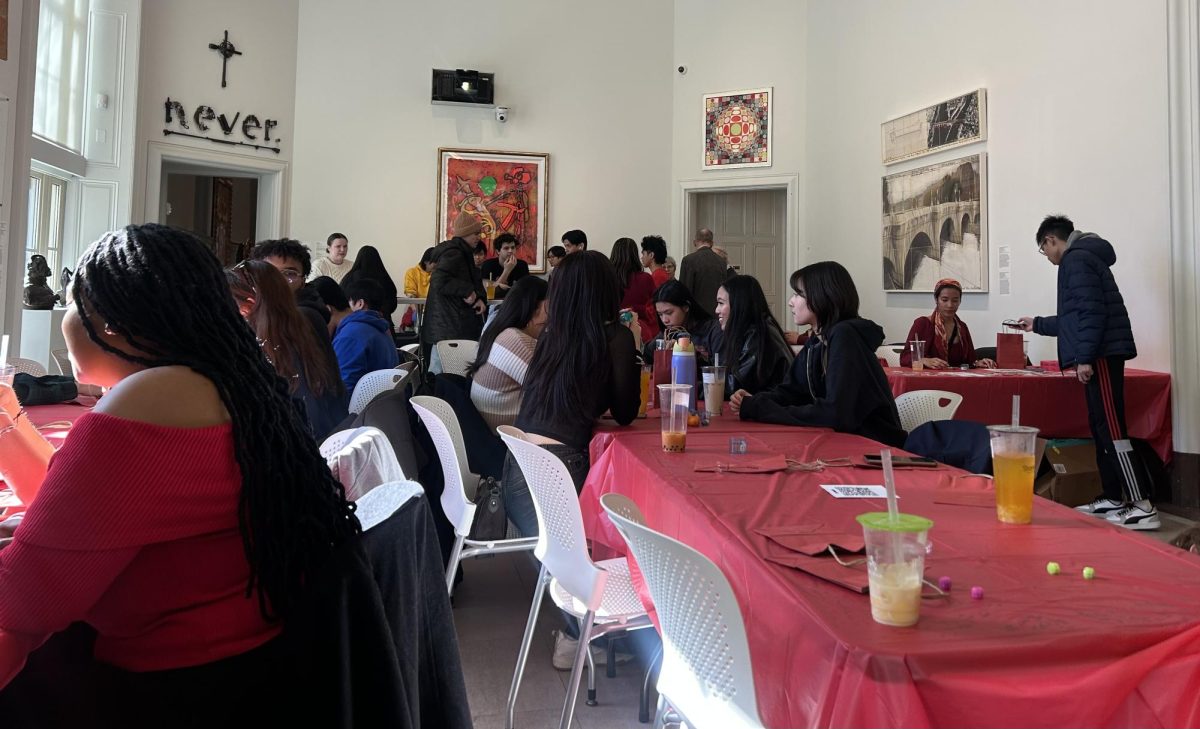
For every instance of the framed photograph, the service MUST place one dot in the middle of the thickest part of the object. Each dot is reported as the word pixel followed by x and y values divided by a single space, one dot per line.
pixel 507 191
pixel 935 226
pixel 952 123
pixel 737 129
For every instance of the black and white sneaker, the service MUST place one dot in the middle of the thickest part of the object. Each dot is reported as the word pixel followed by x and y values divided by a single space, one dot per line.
pixel 1101 507
pixel 1136 517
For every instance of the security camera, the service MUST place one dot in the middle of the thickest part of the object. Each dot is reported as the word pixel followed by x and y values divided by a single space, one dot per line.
pixel 501 114
pixel 681 70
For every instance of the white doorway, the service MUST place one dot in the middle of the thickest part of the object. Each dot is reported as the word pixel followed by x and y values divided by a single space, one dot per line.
pixel 220 210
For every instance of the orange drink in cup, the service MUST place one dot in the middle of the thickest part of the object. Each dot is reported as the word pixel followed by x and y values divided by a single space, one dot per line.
pixel 673 404
pixel 1013 471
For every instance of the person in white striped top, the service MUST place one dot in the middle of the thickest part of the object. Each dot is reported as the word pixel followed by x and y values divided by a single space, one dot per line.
pixel 505 351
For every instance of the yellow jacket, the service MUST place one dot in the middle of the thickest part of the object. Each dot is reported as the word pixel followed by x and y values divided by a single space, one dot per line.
pixel 416 282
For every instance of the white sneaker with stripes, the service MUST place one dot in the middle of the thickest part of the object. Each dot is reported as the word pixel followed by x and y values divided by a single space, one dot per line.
pixel 1101 507
pixel 1136 517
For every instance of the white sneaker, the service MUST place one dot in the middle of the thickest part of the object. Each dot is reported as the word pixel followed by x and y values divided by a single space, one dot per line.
pixel 1101 507
pixel 1136 517
pixel 564 653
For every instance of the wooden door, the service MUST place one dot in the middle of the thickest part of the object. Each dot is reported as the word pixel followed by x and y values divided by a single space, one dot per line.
pixel 750 227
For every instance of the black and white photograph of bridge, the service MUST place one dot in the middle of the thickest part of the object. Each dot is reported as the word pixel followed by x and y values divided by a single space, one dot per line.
pixel 934 223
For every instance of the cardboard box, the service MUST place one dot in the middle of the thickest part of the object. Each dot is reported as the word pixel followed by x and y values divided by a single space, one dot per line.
pixel 1073 479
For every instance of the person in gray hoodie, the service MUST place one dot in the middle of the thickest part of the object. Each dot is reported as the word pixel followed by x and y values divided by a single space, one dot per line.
pixel 1096 338
pixel 836 381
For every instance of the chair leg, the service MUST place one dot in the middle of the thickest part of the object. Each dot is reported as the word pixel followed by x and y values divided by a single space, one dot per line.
pixel 591 666
pixel 581 654
pixel 539 592
pixel 452 566
pixel 644 701
pixel 611 669
pixel 660 716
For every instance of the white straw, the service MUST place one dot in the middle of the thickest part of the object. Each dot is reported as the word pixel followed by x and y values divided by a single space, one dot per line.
pixel 889 482
pixel 1016 419
pixel 4 350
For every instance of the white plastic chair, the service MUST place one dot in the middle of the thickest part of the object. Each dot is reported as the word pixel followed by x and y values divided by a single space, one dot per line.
pixel 706 674
pixel 27 366
pixel 63 361
pixel 442 424
pixel 374 384
pixel 456 355
pixel 361 459
pixel 922 406
pixel 890 354
pixel 380 503
pixel 599 594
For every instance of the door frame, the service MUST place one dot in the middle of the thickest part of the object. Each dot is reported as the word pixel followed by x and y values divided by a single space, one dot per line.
pixel 688 189
pixel 271 176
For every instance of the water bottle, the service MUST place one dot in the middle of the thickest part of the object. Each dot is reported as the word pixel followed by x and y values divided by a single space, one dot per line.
pixel 683 366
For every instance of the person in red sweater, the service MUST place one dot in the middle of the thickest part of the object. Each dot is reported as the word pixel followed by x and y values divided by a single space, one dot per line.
pixel 947 339
pixel 654 257
pixel 637 286
pixel 183 515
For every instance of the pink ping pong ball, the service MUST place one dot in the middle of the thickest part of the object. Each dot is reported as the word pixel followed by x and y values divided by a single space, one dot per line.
pixel 944 584
pixel 976 593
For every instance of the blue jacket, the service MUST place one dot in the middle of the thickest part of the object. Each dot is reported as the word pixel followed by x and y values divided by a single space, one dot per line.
pixel 1092 321
pixel 363 343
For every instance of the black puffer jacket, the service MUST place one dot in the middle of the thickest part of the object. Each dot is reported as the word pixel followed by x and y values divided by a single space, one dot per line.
pixel 836 382
pixel 447 315
pixel 1092 321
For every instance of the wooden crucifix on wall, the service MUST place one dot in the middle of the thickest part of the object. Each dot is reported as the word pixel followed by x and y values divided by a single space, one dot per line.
pixel 227 51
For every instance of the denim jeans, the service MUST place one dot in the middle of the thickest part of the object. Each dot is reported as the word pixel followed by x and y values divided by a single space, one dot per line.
pixel 518 503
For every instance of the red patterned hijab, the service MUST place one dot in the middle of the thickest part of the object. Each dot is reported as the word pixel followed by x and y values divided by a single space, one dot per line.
pixel 939 327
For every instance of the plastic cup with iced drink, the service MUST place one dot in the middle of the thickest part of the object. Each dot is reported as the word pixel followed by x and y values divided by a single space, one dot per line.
pixel 917 347
pixel 1013 469
pixel 647 374
pixel 673 403
pixel 714 389
pixel 7 373
pixel 896 549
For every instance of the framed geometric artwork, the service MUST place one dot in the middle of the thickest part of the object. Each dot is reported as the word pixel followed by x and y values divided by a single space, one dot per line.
pixel 737 129
pixel 935 226
pixel 952 123
pixel 506 191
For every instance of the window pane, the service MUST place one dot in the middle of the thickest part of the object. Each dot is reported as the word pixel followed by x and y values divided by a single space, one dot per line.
pixel 58 77
pixel 54 230
pixel 35 204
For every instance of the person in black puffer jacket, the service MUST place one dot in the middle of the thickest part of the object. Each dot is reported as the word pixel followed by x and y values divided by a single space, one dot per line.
pixel 836 381
pixel 1096 338
pixel 457 300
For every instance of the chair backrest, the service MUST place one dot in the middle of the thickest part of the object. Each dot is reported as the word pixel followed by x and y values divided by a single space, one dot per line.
pixel 561 546
pixel 372 385
pixel 890 354
pixel 361 459
pixel 706 670
pixel 922 406
pixel 442 424
pixel 63 360
pixel 27 366
pixel 381 502
pixel 411 349
pixel 456 355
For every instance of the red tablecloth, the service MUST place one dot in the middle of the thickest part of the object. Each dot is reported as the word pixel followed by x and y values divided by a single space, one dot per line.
pixel 1049 400
pixel 1037 650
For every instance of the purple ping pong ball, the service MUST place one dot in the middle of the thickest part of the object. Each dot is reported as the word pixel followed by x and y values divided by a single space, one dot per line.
pixel 976 593
pixel 944 584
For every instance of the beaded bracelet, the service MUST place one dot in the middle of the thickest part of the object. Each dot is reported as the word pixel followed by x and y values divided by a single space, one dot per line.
pixel 13 425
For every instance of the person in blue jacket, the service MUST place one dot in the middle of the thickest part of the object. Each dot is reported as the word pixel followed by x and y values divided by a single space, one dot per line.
pixel 1096 338
pixel 363 340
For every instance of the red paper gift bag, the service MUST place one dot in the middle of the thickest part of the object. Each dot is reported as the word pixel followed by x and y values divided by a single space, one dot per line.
pixel 1010 351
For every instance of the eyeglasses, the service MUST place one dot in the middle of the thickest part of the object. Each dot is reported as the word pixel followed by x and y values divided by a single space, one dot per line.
pixel 1042 245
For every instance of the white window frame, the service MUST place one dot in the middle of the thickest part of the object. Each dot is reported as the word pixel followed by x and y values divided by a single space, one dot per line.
pixel 47 217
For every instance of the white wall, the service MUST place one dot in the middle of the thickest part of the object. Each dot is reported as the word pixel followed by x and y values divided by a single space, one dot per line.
pixel 590 83
pixel 1077 100
pixel 176 62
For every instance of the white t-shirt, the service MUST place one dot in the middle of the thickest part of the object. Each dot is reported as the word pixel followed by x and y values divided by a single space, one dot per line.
pixel 325 267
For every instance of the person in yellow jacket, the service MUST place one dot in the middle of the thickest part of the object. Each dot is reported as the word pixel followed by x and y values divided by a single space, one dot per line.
pixel 416 284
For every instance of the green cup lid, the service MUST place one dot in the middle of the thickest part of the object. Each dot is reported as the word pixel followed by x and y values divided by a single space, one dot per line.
pixel 881 521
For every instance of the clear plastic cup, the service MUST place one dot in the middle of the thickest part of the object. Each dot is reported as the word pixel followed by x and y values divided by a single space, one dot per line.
pixel 714 389
pixel 647 373
pixel 896 552
pixel 917 348
pixel 1013 469
pixel 673 403
pixel 7 373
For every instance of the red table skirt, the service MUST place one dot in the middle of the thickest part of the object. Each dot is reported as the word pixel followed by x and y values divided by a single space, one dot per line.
pixel 1050 401
pixel 1037 650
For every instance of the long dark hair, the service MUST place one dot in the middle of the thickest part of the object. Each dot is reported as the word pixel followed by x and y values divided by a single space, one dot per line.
pixel 674 292
pixel 166 296
pixel 572 353
pixel 625 260
pixel 519 306
pixel 285 335
pixel 368 264
pixel 750 321
pixel 829 292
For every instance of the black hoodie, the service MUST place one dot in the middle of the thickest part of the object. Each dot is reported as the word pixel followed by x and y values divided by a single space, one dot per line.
pixel 836 382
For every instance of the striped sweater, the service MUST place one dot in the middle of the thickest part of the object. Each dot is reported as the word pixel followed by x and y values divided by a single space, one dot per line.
pixel 496 388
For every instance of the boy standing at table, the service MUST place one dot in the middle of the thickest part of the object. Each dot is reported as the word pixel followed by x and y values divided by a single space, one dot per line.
pixel 1095 336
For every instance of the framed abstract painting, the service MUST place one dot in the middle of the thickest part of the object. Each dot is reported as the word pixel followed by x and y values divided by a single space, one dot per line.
pixel 737 129
pixel 507 191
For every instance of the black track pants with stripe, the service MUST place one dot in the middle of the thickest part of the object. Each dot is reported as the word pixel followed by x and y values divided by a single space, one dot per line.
pixel 1122 472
